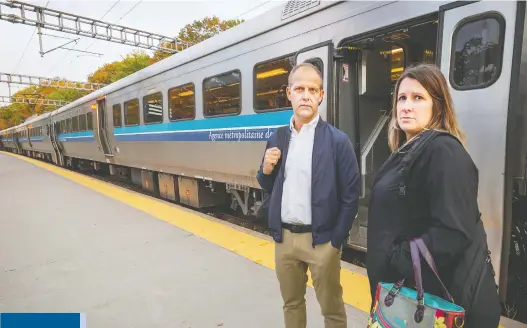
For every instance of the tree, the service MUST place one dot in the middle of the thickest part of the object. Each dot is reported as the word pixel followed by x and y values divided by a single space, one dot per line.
pixel 17 113
pixel 117 70
pixel 198 31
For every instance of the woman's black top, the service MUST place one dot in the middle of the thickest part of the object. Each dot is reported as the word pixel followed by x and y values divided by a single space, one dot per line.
pixel 440 205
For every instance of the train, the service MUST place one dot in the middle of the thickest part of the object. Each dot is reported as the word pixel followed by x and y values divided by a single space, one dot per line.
pixel 192 128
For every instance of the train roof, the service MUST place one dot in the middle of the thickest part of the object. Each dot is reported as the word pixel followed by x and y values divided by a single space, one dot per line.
pixel 273 18
pixel 36 118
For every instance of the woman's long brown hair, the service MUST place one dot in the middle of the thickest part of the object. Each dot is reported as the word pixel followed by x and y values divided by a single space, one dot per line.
pixel 443 114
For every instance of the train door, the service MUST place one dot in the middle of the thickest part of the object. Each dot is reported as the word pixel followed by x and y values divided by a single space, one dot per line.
pixel 29 135
pixel 367 69
pixel 102 128
pixel 54 131
pixel 18 145
pixel 476 57
pixel 319 55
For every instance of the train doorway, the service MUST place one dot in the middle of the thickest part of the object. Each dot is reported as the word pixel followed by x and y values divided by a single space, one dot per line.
pixel 102 128
pixel 369 68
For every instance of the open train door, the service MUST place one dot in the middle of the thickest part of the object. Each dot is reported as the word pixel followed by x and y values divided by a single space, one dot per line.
pixel 18 145
pixel 478 52
pixel 321 55
pixel 101 129
pixel 28 131
pixel 57 156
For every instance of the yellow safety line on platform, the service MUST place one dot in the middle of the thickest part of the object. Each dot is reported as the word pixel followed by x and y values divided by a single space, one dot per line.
pixel 355 286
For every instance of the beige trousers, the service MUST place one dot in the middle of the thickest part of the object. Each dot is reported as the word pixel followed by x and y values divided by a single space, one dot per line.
pixel 293 256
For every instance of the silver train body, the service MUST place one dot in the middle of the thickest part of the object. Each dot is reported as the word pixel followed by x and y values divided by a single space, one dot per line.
pixel 193 127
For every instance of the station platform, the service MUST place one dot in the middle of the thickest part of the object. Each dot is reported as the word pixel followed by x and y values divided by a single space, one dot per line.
pixel 72 243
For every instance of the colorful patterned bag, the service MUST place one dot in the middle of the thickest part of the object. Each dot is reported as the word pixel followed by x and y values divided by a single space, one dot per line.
pixel 398 306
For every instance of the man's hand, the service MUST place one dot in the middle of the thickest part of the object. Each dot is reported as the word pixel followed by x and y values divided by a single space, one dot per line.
pixel 272 156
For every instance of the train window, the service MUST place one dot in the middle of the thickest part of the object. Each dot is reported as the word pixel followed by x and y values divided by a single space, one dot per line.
pixel 182 102
pixel 69 126
pixel 62 126
pixel 89 121
pixel 270 84
pixel 153 108
pixel 82 122
pixel 131 112
pixel 75 124
pixel 222 94
pixel 117 120
pixel 477 52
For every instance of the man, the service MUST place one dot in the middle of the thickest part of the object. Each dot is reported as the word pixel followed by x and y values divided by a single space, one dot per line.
pixel 313 201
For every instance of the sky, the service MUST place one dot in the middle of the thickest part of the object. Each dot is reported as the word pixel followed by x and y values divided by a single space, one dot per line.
pixel 19 43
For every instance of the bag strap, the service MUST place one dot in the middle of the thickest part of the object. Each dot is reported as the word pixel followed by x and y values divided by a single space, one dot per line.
pixel 417 247
pixel 406 164
pixel 281 135
pixel 281 142
pixel 416 261
pixel 421 246
pixel 412 154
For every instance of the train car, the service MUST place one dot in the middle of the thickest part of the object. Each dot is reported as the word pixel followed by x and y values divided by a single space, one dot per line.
pixel 13 140
pixel 8 139
pixel 38 141
pixel 31 138
pixel 192 128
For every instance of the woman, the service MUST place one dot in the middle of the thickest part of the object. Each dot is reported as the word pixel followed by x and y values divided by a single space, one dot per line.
pixel 439 203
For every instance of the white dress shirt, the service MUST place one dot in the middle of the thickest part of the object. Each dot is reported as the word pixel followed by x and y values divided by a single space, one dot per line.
pixel 296 197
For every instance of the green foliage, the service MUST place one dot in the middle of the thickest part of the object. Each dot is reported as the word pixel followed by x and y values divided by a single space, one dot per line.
pixel 117 70
pixel 198 31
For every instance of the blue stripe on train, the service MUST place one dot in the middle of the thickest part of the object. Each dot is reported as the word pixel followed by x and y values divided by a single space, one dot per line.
pixel 257 134
pixel 85 136
pixel 228 128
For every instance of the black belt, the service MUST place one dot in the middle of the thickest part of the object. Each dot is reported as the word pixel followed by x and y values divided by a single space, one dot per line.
pixel 297 228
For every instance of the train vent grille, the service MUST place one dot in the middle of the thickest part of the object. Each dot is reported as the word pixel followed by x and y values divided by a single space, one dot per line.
pixel 294 7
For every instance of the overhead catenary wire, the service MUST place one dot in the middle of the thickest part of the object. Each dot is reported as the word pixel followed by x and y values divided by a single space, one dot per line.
pixel 68 52
pixel 248 11
pixel 27 46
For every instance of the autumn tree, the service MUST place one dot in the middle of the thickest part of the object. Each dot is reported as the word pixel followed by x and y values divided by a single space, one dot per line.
pixel 117 70
pixel 192 33
pixel 198 31
pixel 17 113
